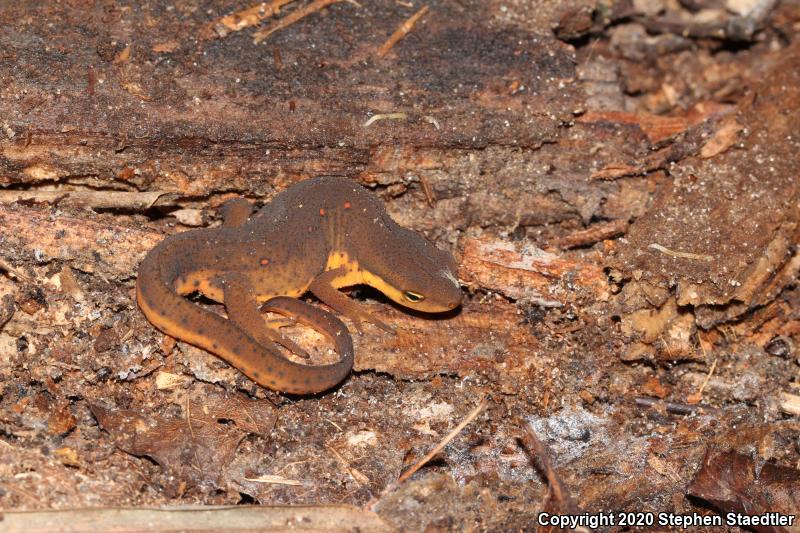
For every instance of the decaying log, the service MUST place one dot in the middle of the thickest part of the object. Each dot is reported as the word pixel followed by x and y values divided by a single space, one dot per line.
pixel 631 197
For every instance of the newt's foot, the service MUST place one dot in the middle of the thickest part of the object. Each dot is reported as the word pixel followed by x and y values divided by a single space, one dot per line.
pixel 325 287
pixel 290 345
pixel 366 316
pixel 384 326
pixel 278 323
pixel 272 333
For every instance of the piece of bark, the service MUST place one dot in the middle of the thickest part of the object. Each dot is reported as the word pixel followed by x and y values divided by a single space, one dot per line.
pixel 87 245
pixel 530 274
pixel 736 483
pixel 656 128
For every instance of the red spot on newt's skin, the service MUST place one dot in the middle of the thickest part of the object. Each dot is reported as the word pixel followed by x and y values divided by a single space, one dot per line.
pixel 264 262
pixel 348 205
pixel 321 212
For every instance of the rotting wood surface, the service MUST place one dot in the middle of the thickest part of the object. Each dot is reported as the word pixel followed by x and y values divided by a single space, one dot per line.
pixel 123 123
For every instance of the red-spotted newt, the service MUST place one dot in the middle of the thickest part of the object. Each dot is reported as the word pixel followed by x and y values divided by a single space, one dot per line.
pixel 318 236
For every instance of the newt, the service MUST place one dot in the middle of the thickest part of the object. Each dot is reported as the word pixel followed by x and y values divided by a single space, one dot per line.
pixel 318 236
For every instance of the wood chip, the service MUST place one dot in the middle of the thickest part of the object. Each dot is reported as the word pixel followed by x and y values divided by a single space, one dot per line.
pixel 723 139
pixel 790 403
pixel 168 380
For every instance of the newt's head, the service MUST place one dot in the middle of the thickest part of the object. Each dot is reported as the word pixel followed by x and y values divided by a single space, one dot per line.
pixel 410 270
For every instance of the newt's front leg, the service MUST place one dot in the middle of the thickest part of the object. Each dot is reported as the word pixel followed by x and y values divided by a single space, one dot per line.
pixel 326 287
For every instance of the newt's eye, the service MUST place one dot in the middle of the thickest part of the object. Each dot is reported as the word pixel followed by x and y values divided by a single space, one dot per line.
pixel 413 297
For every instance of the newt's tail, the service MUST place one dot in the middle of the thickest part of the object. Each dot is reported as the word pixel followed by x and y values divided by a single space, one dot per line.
pixel 264 364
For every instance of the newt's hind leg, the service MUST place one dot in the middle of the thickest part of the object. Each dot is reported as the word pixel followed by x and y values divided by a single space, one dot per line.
pixel 326 287
pixel 243 311
pixel 318 319
pixel 235 212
